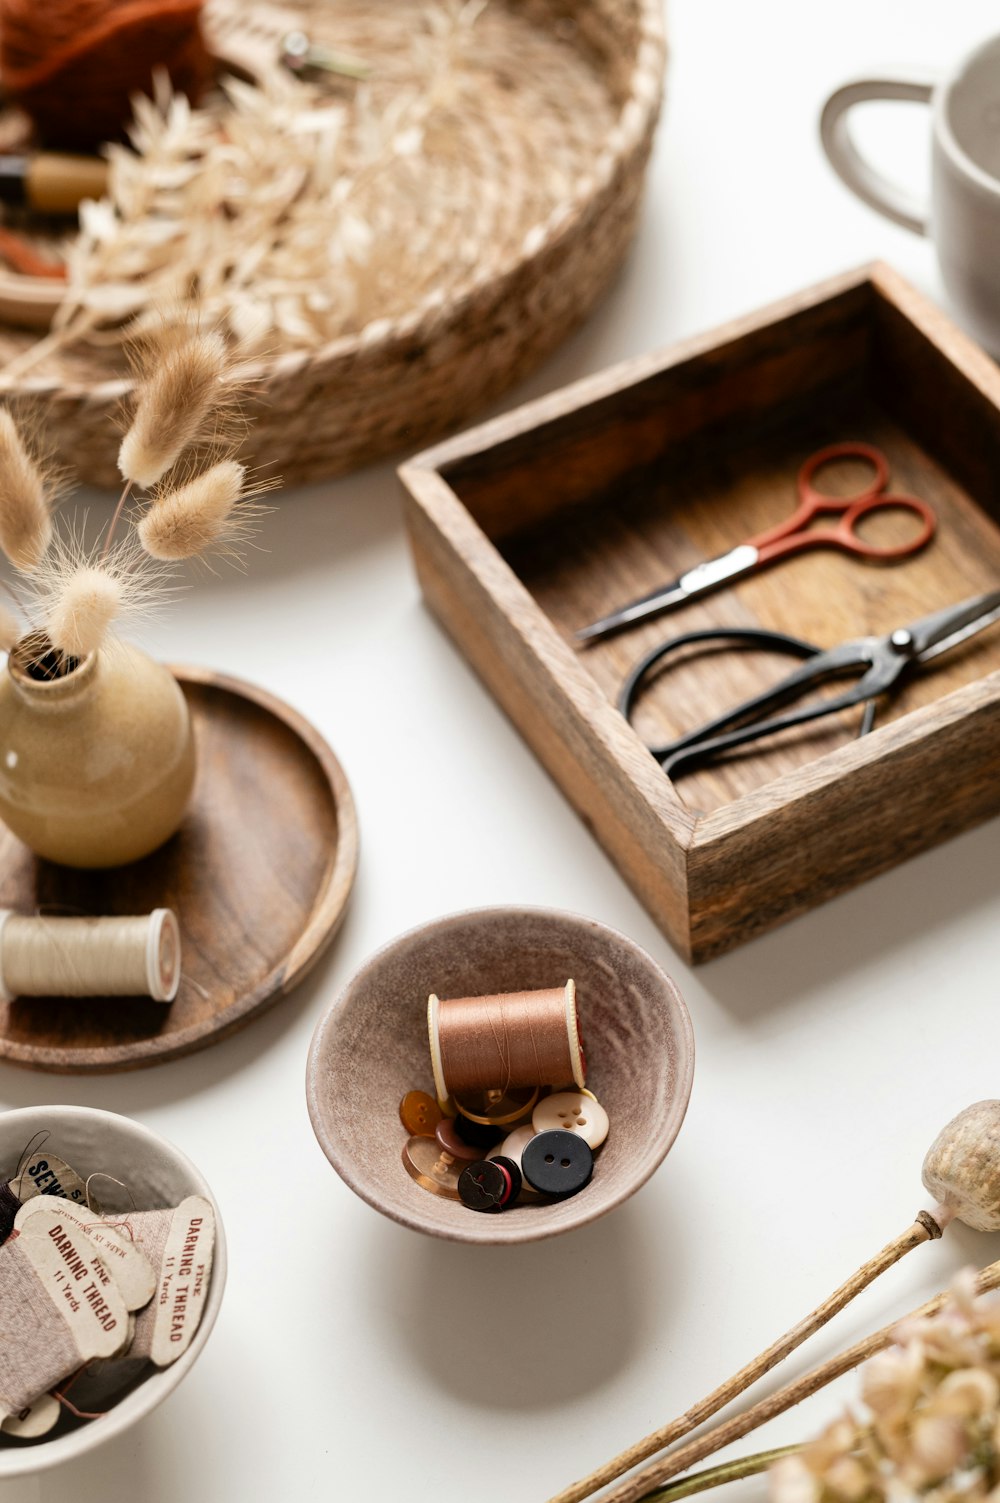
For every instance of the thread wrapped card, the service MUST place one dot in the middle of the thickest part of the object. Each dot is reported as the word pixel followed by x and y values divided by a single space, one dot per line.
pixel 79 1287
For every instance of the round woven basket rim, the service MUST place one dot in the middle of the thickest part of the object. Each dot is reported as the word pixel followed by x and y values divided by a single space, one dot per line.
pixel 632 128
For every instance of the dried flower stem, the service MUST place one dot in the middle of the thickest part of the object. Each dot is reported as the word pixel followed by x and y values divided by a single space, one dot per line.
pixel 126 492
pixel 716 1476
pixel 639 1485
pixel 924 1229
pixel 10 629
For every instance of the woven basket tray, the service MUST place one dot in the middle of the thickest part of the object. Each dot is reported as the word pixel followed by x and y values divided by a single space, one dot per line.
pixel 573 81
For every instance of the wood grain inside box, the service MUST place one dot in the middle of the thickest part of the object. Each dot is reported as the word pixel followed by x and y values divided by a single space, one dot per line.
pixel 600 493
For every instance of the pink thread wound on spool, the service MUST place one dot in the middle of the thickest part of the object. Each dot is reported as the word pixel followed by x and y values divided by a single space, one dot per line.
pixel 505 1040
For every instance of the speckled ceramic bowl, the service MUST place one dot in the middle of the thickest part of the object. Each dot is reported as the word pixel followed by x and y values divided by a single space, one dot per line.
pixel 371 1048
pixel 157 1174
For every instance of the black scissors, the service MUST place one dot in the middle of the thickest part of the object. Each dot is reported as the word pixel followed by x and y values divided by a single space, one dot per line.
pixel 878 663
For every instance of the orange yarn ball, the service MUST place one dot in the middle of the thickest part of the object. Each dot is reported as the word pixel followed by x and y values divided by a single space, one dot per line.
pixel 73 65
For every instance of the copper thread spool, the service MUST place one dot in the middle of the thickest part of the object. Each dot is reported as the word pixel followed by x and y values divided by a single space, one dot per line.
pixel 505 1041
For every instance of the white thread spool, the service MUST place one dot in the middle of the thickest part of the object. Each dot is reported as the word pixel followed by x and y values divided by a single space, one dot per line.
pixel 90 957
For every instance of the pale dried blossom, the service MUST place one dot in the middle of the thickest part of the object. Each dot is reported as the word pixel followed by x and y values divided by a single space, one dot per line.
pixel 287 219
pixel 931 1426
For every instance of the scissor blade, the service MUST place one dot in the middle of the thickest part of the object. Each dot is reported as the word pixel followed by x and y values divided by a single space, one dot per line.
pixel 648 605
pixel 945 629
pixel 752 718
pixel 695 582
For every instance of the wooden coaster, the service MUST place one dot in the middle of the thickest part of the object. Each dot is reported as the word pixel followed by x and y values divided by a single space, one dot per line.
pixel 259 875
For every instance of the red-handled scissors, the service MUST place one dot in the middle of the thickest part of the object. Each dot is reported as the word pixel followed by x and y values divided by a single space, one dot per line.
pixel 794 535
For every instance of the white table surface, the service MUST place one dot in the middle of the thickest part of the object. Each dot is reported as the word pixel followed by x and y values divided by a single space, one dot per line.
pixel 355 1359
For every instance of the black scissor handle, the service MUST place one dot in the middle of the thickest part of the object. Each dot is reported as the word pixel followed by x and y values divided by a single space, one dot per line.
pixel 741 723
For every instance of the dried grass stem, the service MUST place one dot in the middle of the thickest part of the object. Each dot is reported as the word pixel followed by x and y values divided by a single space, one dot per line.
pixel 126 492
pixel 638 1486
pixel 716 1476
pixel 923 1229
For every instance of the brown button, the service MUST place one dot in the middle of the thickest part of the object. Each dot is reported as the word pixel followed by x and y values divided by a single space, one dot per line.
pixel 449 1140
pixel 419 1114
pixel 432 1169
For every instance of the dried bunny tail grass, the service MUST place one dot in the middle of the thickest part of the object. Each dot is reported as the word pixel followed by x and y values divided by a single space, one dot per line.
pixel 90 600
pixel 78 595
pixel 10 629
pixel 25 520
pixel 181 390
pixel 212 512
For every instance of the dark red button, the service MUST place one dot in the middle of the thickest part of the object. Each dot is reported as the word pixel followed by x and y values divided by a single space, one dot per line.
pixel 451 1143
pixel 511 1169
pixel 557 1163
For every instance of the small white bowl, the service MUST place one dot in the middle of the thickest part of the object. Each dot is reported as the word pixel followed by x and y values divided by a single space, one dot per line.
pixel 157 1174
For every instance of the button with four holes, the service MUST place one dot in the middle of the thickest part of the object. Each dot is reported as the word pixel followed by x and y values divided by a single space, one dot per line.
pixel 419 1114
pixel 557 1162
pixel 572 1111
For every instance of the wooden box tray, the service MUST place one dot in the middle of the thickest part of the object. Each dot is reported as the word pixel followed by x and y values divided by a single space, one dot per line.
pixel 530 526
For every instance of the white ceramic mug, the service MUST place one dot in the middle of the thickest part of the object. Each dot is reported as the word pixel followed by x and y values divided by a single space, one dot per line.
pixel 963 216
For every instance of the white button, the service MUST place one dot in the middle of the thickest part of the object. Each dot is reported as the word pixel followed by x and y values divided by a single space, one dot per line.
pixel 512 1147
pixel 572 1111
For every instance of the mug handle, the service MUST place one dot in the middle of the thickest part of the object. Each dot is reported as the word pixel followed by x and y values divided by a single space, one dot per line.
pixel 848 163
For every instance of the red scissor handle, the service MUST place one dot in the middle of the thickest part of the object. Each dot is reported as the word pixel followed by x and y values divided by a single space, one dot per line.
pixel 794 535
pixel 811 496
pixel 846 535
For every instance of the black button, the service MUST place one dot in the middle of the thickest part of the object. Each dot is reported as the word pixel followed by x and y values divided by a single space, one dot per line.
pixel 482 1185
pixel 557 1162
pixel 478 1134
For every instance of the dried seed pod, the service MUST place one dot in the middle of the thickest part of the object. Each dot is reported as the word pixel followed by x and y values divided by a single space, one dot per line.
pixel 962 1167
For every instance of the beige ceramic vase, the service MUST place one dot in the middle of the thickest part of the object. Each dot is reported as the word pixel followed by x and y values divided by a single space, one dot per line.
pixel 96 765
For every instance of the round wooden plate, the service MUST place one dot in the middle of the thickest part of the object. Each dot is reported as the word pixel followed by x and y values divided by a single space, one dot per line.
pixel 259 875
